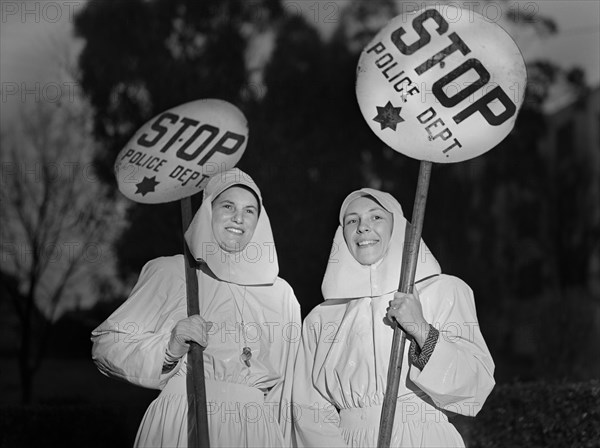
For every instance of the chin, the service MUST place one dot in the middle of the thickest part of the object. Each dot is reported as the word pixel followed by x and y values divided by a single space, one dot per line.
pixel 234 246
pixel 231 247
pixel 368 260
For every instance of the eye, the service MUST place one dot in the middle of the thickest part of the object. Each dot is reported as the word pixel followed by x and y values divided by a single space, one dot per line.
pixel 350 221
pixel 250 211
pixel 377 217
pixel 227 206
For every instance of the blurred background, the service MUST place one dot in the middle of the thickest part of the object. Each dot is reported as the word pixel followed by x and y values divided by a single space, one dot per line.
pixel 521 225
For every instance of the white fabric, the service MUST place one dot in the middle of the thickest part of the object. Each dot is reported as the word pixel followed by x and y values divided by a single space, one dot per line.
pixel 247 405
pixel 347 278
pixel 131 344
pixel 342 365
pixel 257 263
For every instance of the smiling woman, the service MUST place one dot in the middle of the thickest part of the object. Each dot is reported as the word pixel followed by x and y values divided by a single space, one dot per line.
pixel 341 370
pixel 234 218
pixel 242 303
pixel 367 229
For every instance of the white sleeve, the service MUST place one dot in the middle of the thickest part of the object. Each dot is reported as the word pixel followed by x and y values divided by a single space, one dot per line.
pixel 459 375
pixel 131 343
pixel 316 420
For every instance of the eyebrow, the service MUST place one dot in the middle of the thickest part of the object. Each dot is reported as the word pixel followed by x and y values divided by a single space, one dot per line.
pixel 374 209
pixel 228 201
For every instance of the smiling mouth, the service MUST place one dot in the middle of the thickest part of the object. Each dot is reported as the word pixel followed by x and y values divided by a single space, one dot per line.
pixel 234 230
pixel 367 243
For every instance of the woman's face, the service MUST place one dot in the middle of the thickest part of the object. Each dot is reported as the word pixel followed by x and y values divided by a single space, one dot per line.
pixel 367 230
pixel 234 218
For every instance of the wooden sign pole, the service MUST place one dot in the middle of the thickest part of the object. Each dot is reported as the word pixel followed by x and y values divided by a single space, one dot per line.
pixel 407 279
pixel 196 390
pixel 401 87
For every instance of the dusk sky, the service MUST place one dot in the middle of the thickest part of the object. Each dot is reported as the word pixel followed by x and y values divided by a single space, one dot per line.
pixel 30 35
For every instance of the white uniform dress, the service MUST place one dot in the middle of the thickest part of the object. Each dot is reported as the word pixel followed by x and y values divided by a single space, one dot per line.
pixel 342 366
pixel 249 306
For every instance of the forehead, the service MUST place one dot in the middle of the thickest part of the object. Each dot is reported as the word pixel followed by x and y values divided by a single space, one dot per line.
pixel 363 204
pixel 238 195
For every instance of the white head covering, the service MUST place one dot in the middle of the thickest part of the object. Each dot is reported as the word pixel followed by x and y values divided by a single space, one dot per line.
pixel 257 263
pixel 347 278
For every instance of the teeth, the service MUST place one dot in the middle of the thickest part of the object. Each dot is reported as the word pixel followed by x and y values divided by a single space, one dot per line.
pixel 366 243
pixel 234 230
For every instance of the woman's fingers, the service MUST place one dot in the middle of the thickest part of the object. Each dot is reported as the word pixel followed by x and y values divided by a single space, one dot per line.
pixel 191 329
pixel 196 330
pixel 407 311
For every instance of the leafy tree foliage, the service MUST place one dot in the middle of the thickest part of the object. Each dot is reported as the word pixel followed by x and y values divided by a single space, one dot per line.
pixel 498 221
pixel 141 58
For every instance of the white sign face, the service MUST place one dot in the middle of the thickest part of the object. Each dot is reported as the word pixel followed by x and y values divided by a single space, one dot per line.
pixel 441 84
pixel 174 154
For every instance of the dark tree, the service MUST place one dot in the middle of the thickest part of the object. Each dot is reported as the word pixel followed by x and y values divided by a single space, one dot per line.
pixel 141 58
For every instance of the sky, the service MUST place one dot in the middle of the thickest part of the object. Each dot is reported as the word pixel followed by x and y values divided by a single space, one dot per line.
pixel 578 40
pixel 32 33
pixel 576 44
pixel 29 29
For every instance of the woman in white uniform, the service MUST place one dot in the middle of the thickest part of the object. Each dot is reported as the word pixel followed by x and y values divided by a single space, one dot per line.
pixel 249 322
pixel 341 370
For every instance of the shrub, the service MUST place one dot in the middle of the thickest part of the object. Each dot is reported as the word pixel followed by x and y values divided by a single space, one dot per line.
pixel 539 414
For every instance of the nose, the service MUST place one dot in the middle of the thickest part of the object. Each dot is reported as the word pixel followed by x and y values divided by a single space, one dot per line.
pixel 363 227
pixel 238 217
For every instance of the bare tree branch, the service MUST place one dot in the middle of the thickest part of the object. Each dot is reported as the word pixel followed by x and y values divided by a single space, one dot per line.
pixel 51 215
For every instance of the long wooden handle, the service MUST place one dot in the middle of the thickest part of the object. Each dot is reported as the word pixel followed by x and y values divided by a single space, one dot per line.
pixel 196 390
pixel 407 280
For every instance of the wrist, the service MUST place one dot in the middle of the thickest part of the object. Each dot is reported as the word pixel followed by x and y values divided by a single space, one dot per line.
pixel 170 361
pixel 172 357
pixel 419 356
pixel 421 333
pixel 176 348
